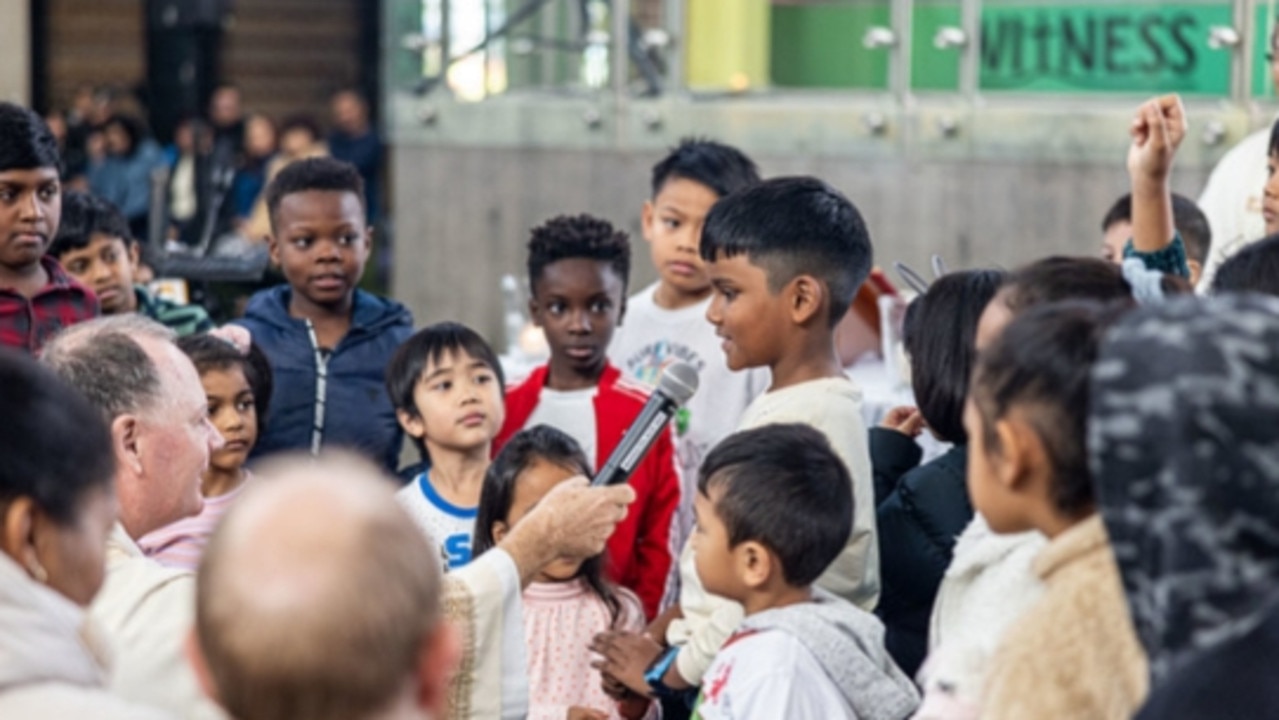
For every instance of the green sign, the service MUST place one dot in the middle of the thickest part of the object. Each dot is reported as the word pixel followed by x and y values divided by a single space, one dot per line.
pixel 1025 46
pixel 1104 48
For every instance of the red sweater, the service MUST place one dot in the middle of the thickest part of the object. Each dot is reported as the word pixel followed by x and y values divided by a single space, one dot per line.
pixel 641 551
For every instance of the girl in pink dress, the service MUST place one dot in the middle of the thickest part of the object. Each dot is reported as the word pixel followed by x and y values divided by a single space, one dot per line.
pixel 569 602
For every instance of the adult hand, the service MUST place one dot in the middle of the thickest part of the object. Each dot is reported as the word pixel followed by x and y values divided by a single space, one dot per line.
pixel 626 657
pixel 582 713
pixel 1157 131
pixel 905 420
pixel 573 520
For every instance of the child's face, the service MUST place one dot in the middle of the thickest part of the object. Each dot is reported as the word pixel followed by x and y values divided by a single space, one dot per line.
pixel 715 561
pixel 321 244
pixel 30 208
pixel 673 228
pixel 106 265
pixel 1270 201
pixel 1113 241
pixel 746 314
pixel 233 411
pixel 530 487
pixel 459 404
pixel 578 303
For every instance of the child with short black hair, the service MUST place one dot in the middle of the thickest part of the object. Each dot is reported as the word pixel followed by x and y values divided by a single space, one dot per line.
pixel 1187 218
pixel 37 297
pixel 570 600
pixel 446 385
pixel 785 258
pixel 95 246
pixel 1028 470
pixel 328 341
pixel 578 269
pixel 237 383
pixel 666 321
pixel 774 509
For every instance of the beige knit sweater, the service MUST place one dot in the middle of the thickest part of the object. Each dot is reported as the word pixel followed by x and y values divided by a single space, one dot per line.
pixel 1074 654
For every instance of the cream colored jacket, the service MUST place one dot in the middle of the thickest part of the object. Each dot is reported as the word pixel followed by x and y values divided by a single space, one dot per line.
pixel 147 612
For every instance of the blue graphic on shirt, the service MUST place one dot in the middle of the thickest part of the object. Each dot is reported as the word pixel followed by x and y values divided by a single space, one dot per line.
pixel 456 547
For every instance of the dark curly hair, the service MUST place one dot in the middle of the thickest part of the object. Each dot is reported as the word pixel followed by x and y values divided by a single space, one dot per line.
pixel 320 173
pixel 578 236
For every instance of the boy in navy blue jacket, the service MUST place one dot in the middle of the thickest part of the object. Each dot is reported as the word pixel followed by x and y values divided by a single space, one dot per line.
pixel 328 342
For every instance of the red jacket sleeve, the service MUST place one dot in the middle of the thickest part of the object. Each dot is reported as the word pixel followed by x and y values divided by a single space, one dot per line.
pixel 657 485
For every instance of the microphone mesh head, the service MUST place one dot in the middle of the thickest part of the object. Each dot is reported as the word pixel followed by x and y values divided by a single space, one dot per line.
pixel 678 382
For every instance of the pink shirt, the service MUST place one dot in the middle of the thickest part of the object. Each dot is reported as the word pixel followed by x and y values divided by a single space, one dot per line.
pixel 560 619
pixel 181 544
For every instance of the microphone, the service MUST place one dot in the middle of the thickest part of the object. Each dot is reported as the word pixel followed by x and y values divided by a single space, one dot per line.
pixel 678 383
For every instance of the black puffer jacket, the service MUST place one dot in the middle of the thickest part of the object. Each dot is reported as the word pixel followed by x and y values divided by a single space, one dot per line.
pixel 920 511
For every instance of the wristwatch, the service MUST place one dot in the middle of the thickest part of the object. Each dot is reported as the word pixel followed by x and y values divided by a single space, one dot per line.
pixel 653 676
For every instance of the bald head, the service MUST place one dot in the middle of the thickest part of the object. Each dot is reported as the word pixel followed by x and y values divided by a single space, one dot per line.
pixel 317 598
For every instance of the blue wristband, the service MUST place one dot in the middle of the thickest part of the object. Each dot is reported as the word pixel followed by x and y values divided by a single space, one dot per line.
pixel 653 676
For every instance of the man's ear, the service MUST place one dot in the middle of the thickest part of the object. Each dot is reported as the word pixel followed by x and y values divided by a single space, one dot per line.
pixel 195 658
pixel 126 431
pixel 1196 271
pixel 438 658
pixel 17 533
pixel 135 255
pixel 805 297
pixel 411 422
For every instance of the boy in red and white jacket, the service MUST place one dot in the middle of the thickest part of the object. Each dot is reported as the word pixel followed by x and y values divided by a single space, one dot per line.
pixel 578 269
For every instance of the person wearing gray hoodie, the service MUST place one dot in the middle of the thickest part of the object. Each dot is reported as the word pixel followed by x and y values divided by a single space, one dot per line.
pixel 774 508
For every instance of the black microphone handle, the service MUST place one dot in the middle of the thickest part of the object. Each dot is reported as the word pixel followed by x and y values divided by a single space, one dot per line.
pixel 641 435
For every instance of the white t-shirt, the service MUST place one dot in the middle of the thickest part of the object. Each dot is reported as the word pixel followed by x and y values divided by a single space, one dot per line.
pixel 833 407
pixel 573 412
pixel 652 337
pixel 450 527
pixel 1231 200
pixel 768 675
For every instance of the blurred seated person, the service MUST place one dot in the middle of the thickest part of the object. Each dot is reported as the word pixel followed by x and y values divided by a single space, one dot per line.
pixel 299 139
pixel 250 178
pixel 122 174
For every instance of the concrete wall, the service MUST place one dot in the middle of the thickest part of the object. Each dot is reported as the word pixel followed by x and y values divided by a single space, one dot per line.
pixel 463 213
pixel 15 38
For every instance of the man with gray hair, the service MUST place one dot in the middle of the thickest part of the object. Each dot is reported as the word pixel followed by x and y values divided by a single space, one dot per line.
pixel 150 394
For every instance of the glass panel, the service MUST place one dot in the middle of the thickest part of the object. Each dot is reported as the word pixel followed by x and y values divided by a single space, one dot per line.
pixel 933 67
pixel 819 44
pixel 1263 83
pixel 1097 47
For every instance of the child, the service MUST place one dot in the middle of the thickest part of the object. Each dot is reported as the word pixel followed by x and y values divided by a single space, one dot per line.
pixel 785 258
pixel 238 387
pixel 774 509
pixel 569 601
pixel 95 246
pixel 446 386
pixel 666 321
pixel 1074 653
pixel 921 509
pixel 578 269
pixel 1187 218
pixel 328 342
pixel 37 298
